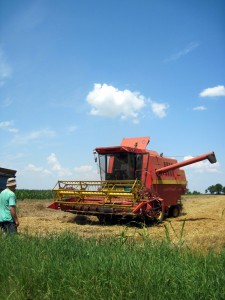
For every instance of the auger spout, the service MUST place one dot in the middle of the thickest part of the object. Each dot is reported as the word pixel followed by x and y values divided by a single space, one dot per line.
pixel 210 156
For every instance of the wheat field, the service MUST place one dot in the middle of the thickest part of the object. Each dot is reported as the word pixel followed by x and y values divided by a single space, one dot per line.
pixel 201 225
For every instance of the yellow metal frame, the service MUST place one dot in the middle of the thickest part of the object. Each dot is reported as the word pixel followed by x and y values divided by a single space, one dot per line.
pixel 166 181
pixel 107 191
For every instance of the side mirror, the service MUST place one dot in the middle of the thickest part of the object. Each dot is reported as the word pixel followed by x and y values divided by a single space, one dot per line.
pixel 95 157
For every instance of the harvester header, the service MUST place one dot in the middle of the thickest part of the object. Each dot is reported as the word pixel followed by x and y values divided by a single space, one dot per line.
pixel 134 183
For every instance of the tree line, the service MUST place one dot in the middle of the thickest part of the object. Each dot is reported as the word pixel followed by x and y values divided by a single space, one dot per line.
pixel 216 189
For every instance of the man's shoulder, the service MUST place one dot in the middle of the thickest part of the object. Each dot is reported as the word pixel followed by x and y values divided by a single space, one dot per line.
pixel 8 193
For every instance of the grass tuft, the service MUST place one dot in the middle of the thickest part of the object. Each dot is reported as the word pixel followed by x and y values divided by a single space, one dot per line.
pixel 67 266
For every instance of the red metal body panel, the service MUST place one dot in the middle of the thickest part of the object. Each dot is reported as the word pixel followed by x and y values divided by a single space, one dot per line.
pixel 170 185
pixel 139 143
pixel 118 149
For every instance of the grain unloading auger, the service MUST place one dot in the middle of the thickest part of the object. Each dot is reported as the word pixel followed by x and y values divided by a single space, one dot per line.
pixel 135 183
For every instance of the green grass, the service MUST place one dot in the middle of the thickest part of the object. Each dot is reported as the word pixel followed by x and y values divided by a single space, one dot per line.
pixel 33 194
pixel 66 266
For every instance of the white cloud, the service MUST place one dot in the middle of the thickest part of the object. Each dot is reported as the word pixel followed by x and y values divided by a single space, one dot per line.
pixel 200 108
pixel 203 166
pixel 7 125
pixel 35 169
pixel 83 169
pixel 13 130
pixel 213 92
pixel 56 166
pixel 10 159
pixel 183 52
pixel 107 100
pixel 34 135
pixel 86 172
pixel 159 109
pixel 5 69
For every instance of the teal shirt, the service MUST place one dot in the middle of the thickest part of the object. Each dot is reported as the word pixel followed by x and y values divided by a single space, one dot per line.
pixel 7 199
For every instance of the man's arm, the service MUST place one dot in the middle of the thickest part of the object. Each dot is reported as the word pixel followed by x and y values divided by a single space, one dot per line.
pixel 14 215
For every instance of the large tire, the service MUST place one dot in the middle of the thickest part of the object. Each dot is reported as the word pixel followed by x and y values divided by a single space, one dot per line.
pixel 174 211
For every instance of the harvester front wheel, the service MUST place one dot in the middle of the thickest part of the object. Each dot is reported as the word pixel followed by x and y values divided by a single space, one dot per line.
pixel 174 211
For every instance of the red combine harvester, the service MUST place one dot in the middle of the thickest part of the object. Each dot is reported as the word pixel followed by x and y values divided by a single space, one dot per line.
pixel 136 183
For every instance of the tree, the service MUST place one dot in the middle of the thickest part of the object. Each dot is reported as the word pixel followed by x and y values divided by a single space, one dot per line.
pixel 211 189
pixel 196 193
pixel 218 188
pixel 215 189
pixel 188 192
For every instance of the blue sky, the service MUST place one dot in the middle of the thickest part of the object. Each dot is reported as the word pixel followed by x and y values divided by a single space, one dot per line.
pixel 75 75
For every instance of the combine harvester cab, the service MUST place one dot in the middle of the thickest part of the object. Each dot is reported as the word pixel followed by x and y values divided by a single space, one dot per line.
pixel 136 183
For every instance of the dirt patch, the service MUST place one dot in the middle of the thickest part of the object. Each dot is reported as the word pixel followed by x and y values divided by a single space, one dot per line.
pixel 204 227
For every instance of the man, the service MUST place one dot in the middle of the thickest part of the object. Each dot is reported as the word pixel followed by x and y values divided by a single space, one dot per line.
pixel 8 216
